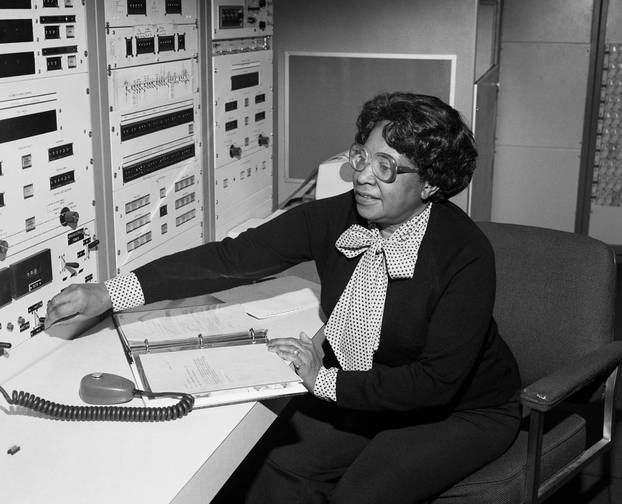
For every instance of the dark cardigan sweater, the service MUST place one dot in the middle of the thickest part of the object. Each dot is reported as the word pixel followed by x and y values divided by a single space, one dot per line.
pixel 439 346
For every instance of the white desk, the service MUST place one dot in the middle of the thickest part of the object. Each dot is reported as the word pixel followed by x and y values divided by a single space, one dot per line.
pixel 180 461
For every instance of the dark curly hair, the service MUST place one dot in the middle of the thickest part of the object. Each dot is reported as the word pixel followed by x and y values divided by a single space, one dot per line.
pixel 430 133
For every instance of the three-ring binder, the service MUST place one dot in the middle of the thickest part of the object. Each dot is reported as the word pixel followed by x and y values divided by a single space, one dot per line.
pixel 249 337
pixel 177 347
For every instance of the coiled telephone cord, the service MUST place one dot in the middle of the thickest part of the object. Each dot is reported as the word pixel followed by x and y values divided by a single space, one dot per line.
pixel 108 413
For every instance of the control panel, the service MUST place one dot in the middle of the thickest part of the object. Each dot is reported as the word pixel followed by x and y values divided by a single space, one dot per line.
pixel 155 128
pixel 42 38
pixel 241 18
pixel 242 116
pixel 47 216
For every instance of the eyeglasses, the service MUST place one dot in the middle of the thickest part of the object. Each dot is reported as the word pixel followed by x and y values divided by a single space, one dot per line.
pixel 383 165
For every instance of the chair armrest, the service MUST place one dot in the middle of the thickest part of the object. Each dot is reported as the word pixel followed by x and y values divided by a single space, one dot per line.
pixel 548 392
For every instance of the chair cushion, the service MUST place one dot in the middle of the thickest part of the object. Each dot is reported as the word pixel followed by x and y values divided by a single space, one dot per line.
pixel 502 481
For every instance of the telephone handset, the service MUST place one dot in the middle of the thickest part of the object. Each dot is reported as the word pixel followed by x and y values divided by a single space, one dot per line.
pixel 105 389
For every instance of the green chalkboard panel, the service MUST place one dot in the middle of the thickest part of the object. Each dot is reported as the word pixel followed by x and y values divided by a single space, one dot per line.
pixel 326 92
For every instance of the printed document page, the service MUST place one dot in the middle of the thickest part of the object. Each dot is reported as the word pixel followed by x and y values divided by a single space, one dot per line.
pixel 211 369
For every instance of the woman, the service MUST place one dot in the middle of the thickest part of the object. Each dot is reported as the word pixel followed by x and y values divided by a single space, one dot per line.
pixel 413 388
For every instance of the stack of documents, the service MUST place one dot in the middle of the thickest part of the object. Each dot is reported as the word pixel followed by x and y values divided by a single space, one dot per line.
pixel 218 352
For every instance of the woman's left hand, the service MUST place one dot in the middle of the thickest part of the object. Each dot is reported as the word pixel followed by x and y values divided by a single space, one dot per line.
pixel 303 354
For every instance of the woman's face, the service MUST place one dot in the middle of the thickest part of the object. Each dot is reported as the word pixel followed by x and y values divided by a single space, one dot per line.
pixel 388 205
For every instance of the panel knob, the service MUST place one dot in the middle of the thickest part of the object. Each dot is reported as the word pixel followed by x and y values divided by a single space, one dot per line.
pixel 235 152
pixel 69 218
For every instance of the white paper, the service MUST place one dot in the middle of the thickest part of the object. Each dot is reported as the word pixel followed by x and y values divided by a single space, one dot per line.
pixel 246 294
pixel 301 299
pixel 211 369
pixel 183 323
pixel 292 324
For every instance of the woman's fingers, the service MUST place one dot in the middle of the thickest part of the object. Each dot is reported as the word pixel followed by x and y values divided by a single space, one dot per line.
pixel 61 308
pixel 77 302
pixel 286 351
pixel 291 350
pixel 302 343
pixel 303 355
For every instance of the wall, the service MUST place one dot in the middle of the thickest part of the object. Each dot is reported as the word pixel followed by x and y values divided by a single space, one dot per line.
pixel 393 26
pixel 614 21
pixel 323 103
pixel 544 63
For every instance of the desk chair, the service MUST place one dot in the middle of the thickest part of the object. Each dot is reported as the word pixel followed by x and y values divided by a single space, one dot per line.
pixel 555 309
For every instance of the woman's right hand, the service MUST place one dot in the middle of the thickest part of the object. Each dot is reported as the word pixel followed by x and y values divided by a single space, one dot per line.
pixel 76 303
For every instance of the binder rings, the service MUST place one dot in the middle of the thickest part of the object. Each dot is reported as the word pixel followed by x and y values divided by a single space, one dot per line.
pixel 218 352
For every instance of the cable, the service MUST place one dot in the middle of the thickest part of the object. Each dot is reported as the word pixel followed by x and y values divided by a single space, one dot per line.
pixel 108 413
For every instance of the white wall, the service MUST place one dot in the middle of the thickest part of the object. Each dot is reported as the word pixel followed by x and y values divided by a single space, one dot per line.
pixel 544 64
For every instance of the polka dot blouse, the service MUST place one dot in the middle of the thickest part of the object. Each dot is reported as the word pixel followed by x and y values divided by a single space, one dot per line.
pixel 125 292
pixel 353 328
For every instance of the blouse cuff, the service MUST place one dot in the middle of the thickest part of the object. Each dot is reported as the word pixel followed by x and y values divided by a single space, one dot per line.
pixel 125 292
pixel 325 386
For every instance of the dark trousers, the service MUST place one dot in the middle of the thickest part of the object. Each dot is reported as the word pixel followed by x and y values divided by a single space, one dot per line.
pixel 319 453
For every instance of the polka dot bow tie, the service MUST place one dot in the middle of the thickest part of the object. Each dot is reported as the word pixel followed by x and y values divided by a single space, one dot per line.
pixel 353 329
pixel 400 254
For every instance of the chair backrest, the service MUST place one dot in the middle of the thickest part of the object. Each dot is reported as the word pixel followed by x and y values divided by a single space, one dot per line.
pixel 555 295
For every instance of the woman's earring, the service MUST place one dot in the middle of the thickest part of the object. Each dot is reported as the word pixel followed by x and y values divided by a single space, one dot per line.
pixel 427 191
